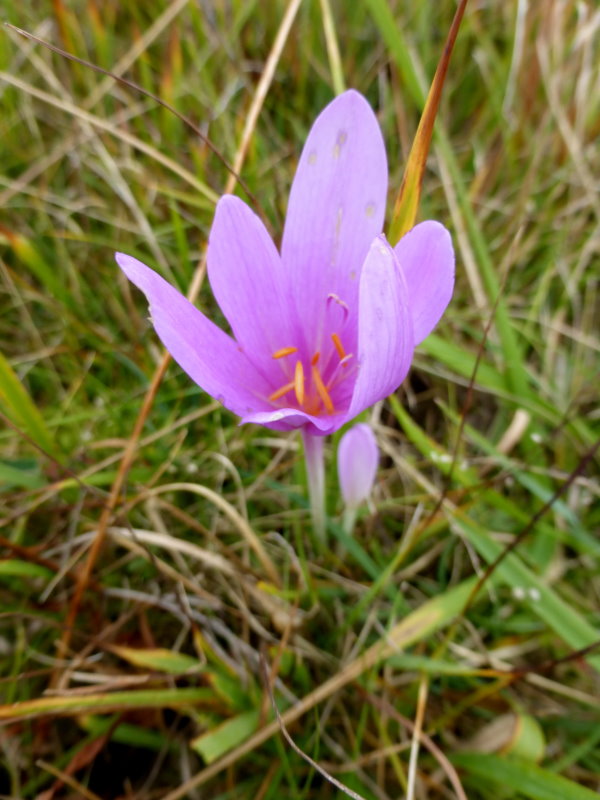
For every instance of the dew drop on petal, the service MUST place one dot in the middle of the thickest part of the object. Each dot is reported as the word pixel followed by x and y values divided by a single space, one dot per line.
pixel 370 209
pixel 312 157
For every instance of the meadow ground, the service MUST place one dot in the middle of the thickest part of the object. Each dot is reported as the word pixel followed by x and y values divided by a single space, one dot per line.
pixel 449 649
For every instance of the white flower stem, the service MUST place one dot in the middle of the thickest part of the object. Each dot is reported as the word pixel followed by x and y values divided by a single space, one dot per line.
pixel 417 730
pixel 349 520
pixel 315 472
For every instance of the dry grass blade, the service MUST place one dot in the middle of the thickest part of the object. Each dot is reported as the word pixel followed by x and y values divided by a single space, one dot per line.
pixel 134 52
pixel 110 170
pixel 417 734
pixel 174 544
pixel 261 90
pixel 108 510
pixel 333 48
pixel 431 616
pixel 407 201
pixel 148 401
pixel 448 768
pixel 235 517
pixel 139 46
pixel 234 176
pixel 338 784
pixel 69 780
pixel 98 122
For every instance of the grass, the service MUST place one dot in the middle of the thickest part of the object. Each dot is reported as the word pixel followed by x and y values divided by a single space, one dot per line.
pixel 452 651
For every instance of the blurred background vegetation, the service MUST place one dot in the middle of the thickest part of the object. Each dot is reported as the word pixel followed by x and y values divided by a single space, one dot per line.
pixel 190 536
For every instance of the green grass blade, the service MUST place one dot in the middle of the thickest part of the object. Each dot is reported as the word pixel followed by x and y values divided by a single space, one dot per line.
pixel 158 659
pixel 20 408
pixel 523 777
pixel 224 737
pixel 113 701
pixel 558 615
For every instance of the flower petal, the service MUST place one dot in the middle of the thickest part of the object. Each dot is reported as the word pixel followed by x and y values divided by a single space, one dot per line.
pixel 385 331
pixel 357 460
pixel 290 419
pixel 248 281
pixel 336 206
pixel 426 257
pixel 211 358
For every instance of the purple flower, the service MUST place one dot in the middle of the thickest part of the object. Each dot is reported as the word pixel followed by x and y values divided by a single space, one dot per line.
pixel 357 460
pixel 328 327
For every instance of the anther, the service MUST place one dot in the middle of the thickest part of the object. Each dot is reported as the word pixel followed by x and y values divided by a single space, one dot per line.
pixel 322 391
pixel 299 382
pixel 280 392
pixel 315 358
pixel 285 351
pixel 338 345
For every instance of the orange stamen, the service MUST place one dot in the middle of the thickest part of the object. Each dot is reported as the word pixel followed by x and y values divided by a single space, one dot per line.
pixel 338 345
pixel 322 391
pixel 280 392
pixel 285 351
pixel 315 358
pixel 299 382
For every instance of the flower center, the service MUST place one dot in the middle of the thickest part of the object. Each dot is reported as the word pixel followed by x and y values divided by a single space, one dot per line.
pixel 312 388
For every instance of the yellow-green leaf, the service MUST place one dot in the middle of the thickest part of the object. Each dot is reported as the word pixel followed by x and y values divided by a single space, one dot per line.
pixel 158 659
pixel 20 408
pixel 225 737
pixel 108 701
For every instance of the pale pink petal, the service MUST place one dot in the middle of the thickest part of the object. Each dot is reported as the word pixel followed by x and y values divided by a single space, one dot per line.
pixel 385 332
pixel 336 207
pixel 289 419
pixel 211 358
pixel 249 283
pixel 426 257
pixel 357 460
